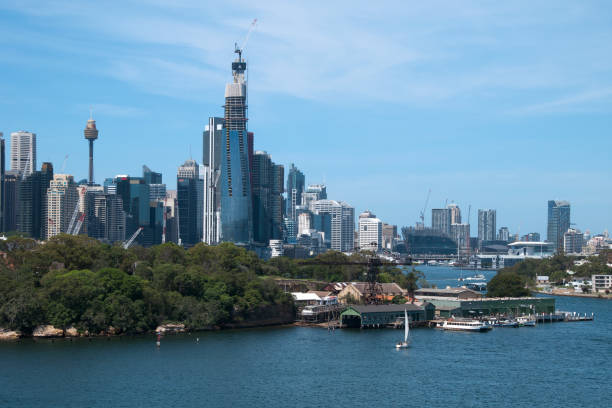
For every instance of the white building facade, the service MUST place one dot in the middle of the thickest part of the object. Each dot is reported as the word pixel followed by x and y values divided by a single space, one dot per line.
pixel 370 232
pixel 23 152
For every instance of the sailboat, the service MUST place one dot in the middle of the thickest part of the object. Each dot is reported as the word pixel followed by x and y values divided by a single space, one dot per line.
pixel 406 342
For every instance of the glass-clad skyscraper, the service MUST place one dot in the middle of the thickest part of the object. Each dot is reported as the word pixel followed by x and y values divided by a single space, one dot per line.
pixel 236 207
pixel 558 222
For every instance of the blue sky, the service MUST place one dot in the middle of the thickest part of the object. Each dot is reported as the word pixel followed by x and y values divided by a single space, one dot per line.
pixel 487 104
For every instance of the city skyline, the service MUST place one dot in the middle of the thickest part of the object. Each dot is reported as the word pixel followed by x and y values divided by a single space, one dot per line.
pixel 526 162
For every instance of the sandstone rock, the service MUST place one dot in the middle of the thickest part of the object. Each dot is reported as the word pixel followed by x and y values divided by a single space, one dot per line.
pixel 171 328
pixel 6 334
pixel 47 330
pixel 72 332
pixel 111 331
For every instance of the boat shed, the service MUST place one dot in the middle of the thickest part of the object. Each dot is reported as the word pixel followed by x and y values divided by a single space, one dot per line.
pixel 382 315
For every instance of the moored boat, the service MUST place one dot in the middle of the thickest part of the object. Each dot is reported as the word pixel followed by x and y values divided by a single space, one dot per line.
pixel 466 325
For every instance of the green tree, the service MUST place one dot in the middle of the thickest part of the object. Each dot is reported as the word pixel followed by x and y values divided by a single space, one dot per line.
pixel 507 284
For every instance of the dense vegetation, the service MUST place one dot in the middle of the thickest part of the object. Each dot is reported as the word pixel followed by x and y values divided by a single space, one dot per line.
pixel 557 266
pixel 78 281
pixel 514 280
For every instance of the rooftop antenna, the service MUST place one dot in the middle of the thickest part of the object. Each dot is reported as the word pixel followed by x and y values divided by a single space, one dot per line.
pixel 90 112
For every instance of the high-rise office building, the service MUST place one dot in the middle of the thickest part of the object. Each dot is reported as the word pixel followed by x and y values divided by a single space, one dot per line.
pixel 295 188
pixel 23 152
pixel 62 197
pixel 486 225
pixel 339 219
pixel 32 207
pixel 91 134
pixel 558 222
pixel 11 200
pixel 460 233
pixel 267 186
pixel 313 193
pixel 189 199
pixel 211 160
pixel 236 205
pixel 370 232
pixel 441 220
pixel 2 170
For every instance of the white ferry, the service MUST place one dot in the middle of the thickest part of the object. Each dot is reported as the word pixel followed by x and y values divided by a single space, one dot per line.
pixel 466 325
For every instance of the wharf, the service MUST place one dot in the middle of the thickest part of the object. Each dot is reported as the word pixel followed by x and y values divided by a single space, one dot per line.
pixel 563 317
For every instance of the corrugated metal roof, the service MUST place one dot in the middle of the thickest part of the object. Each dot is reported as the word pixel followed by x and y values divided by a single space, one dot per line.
pixel 386 308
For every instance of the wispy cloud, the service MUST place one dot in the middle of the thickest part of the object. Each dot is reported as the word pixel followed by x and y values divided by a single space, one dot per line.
pixel 591 100
pixel 439 53
pixel 105 109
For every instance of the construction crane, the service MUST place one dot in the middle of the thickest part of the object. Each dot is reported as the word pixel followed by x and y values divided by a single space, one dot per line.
pixel 373 264
pixel 79 224
pixel 74 217
pixel 422 215
pixel 129 242
pixel 240 49
pixel 64 164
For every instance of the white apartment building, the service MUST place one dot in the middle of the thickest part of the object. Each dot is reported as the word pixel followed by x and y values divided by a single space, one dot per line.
pixel 23 151
pixel 601 283
pixel 62 197
pixel 370 232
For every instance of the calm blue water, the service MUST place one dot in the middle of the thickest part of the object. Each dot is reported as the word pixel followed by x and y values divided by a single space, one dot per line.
pixel 552 365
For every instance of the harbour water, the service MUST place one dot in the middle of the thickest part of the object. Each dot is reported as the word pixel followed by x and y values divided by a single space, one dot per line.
pixel 551 365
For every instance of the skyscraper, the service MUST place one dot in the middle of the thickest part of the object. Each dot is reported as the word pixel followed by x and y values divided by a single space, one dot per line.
pixel 503 234
pixel 189 198
pixel 441 220
pixel 32 203
pixel 295 188
pixel 486 225
pixel 91 134
pixel 211 160
pixel 11 200
pixel 337 221
pixel 558 222
pixel 314 192
pixel 62 197
pixel 23 151
pixel 267 198
pixel 370 232
pixel 455 213
pixel 236 206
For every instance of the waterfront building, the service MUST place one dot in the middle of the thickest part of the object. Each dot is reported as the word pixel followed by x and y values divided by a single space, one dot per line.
pixel 295 188
pixel 558 222
pixel 91 134
pixel 455 213
pixel 573 241
pixel 359 292
pixel 2 171
pixel 11 200
pixel 341 217
pixel 32 204
pixel 235 179
pixel 62 198
pixel 211 160
pixel 360 316
pixel 189 199
pixel 486 225
pixel 601 283
pixel 389 236
pixel 503 234
pixel 370 232
pixel 23 152
pixel 427 241
pixel 441 220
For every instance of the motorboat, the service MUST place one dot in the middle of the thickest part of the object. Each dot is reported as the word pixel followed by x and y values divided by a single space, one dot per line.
pixel 406 342
pixel 466 325
pixel 480 276
pixel 527 321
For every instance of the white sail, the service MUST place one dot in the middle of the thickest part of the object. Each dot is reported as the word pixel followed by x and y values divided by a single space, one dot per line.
pixel 406 325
